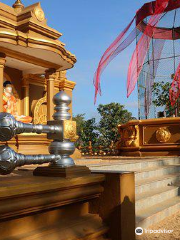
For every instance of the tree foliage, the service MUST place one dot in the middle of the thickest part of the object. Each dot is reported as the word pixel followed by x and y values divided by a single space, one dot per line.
pixel 111 115
pixel 105 131
pixel 161 94
pixel 86 130
pixel 89 132
pixel 80 119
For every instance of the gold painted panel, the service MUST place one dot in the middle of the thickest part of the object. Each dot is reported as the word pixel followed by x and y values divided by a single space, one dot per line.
pixel 161 134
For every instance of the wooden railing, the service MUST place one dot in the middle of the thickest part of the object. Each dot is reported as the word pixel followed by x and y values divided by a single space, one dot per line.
pixel 99 150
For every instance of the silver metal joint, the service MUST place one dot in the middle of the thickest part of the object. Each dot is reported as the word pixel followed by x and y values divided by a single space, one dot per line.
pixel 9 159
pixel 61 130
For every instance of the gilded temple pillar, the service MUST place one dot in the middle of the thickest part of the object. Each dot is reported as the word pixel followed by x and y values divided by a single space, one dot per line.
pixel 26 94
pixel 50 77
pixel 2 64
pixel 66 85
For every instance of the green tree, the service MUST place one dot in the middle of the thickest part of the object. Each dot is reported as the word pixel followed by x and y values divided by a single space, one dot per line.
pixel 110 116
pixel 80 119
pixel 89 132
pixel 161 97
pixel 86 130
pixel 105 131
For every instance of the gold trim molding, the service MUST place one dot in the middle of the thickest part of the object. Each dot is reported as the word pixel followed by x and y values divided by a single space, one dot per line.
pixel 66 84
pixel 27 27
pixel 28 40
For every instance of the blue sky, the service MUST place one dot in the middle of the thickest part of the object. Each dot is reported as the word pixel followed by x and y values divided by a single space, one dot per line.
pixel 88 28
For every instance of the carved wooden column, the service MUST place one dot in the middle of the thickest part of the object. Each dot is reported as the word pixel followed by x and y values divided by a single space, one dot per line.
pixel 66 85
pixel 2 64
pixel 50 77
pixel 26 94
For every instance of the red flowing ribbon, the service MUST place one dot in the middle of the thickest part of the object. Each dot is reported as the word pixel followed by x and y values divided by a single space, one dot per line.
pixel 154 9
pixel 106 58
pixel 142 46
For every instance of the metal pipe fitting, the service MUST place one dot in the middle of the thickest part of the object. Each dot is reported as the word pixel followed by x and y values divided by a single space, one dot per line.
pixel 9 159
pixel 61 130
pixel 9 127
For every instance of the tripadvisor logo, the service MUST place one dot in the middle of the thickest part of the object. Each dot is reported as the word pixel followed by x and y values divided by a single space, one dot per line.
pixel 139 231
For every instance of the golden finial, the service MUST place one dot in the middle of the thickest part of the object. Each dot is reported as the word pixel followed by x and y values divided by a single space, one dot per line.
pixel 18 6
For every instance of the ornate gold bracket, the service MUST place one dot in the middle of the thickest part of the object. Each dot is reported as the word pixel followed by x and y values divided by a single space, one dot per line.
pixel 129 136
pixel 40 115
pixel 70 130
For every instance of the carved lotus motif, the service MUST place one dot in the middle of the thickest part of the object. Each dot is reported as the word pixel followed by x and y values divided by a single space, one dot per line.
pixel 163 135
pixel 39 14
pixel 70 130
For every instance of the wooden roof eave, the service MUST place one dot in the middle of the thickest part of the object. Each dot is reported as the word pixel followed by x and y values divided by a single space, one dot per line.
pixel 30 24
pixel 30 41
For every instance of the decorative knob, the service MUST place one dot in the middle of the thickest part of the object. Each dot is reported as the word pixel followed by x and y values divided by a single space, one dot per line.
pixel 63 147
pixel 9 159
pixel 18 6
pixel 61 101
pixel 9 127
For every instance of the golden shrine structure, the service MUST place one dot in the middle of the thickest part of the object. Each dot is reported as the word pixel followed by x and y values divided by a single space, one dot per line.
pixel 150 137
pixel 35 61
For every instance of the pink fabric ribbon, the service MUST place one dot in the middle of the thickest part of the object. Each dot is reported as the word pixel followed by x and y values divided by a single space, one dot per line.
pixel 153 9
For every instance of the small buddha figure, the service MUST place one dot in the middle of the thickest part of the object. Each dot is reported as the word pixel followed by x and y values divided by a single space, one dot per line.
pixel 10 104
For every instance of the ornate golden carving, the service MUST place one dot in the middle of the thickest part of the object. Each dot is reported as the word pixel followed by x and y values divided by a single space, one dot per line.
pixel 66 84
pixel 18 6
pixel 70 130
pixel 129 136
pixel 40 36
pixel 29 41
pixel 39 14
pixel 40 111
pixel 163 135
pixel 63 74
